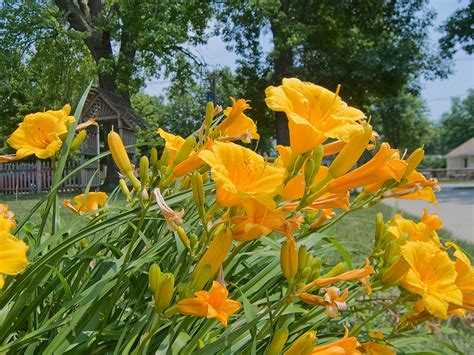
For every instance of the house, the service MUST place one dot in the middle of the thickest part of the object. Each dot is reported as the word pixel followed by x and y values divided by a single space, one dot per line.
pixel 461 158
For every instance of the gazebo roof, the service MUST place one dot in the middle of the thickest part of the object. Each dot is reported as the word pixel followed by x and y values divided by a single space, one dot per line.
pixel 467 148
pixel 117 107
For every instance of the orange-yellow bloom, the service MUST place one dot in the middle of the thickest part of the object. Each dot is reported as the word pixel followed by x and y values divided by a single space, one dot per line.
pixel 210 304
pixel 240 173
pixel 332 300
pixel 432 275
pixel 258 221
pixel 40 133
pixel 417 187
pixel 173 144
pixel 314 113
pixel 344 346
pixel 326 214
pixel 237 125
pixel 87 203
pixel 424 231
pixel 372 348
pixel 360 275
pixel 13 258
pixel 465 276
pixel 385 165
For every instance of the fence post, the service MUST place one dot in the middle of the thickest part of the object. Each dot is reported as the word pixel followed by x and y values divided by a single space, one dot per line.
pixel 39 177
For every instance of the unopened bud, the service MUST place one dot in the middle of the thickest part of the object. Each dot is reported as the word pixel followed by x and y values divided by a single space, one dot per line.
pixel 209 114
pixel 124 188
pixel 119 154
pixel 351 152
pixel 289 259
pixel 413 161
pixel 154 277
pixel 278 342
pixel 379 230
pixel 183 237
pixel 144 166
pixel 185 150
pixel 77 141
pixel 304 345
pixel 154 157
pixel 302 252
pixel 133 179
pixel 198 189
pixel 164 292
pixel 336 270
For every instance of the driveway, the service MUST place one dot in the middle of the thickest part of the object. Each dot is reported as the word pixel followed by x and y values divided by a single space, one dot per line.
pixel 455 208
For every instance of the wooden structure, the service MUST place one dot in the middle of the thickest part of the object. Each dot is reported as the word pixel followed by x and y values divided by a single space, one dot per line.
pixel 109 110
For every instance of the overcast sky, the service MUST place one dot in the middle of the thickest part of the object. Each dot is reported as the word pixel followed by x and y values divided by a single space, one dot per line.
pixel 436 93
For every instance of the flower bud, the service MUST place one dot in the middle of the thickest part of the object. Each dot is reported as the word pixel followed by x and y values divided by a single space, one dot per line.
pixel 413 161
pixel 154 277
pixel 183 237
pixel 198 189
pixel 309 169
pixel 393 274
pixel 379 230
pixel 303 345
pixel 215 254
pixel 336 270
pixel 144 166
pixel 200 278
pixel 144 195
pixel 154 157
pixel 124 188
pixel 209 114
pixel 164 292
pixel 133 179
pixel 278 342
pixel 289 259
pixel 302 252
pixel 185 150
pixel 119 154
pixel 351 152
pixel 77 141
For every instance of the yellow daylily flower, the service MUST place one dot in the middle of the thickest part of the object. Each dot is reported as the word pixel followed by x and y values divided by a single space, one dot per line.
pixel 86 203
pixel 13 258
pixel 424 231
pixel 173 143
pixel 258 221
pixel 417 187
pixel 432 275
pixel 210 304
pixel 465 276
pixel 40 133
pixel 237 125
pixel 314 113
pixel 240 173
pixel 372 348
pixel 344 346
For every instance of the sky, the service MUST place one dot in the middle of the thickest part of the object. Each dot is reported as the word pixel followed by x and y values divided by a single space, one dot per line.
pixel 437 94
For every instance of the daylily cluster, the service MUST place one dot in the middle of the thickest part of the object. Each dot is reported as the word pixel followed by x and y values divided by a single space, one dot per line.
pixel 288 199
pixel 412 257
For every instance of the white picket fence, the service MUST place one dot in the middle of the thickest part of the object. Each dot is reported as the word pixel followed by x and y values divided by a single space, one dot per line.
pixel 37 177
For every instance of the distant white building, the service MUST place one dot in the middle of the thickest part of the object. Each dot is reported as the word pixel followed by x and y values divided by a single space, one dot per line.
pixel 461 157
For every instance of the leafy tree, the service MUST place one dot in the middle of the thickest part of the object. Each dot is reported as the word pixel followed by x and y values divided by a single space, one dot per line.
pixel 459 28
pixel 373 48
pixel 402 121
pixel 457 125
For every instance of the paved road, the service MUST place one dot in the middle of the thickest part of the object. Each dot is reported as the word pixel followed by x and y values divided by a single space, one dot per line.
pixel 455 208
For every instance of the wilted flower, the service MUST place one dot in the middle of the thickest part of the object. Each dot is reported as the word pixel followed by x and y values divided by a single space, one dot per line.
pixel 332 300
pixel 7 219
pixel 173 218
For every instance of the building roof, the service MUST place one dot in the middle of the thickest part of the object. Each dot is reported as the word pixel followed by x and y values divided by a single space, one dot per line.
pixel 118 104
pixel 467 148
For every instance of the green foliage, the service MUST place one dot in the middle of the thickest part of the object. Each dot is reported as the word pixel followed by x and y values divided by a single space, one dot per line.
pixel 459 30
pixel 402 122
pixel 457 126
pixel 433 162
pixel 374 49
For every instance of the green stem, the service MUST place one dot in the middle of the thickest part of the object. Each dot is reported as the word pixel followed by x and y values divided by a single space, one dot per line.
pixel 149 335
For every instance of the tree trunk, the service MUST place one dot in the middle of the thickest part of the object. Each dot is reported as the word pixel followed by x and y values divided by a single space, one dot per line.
pixel 282 66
